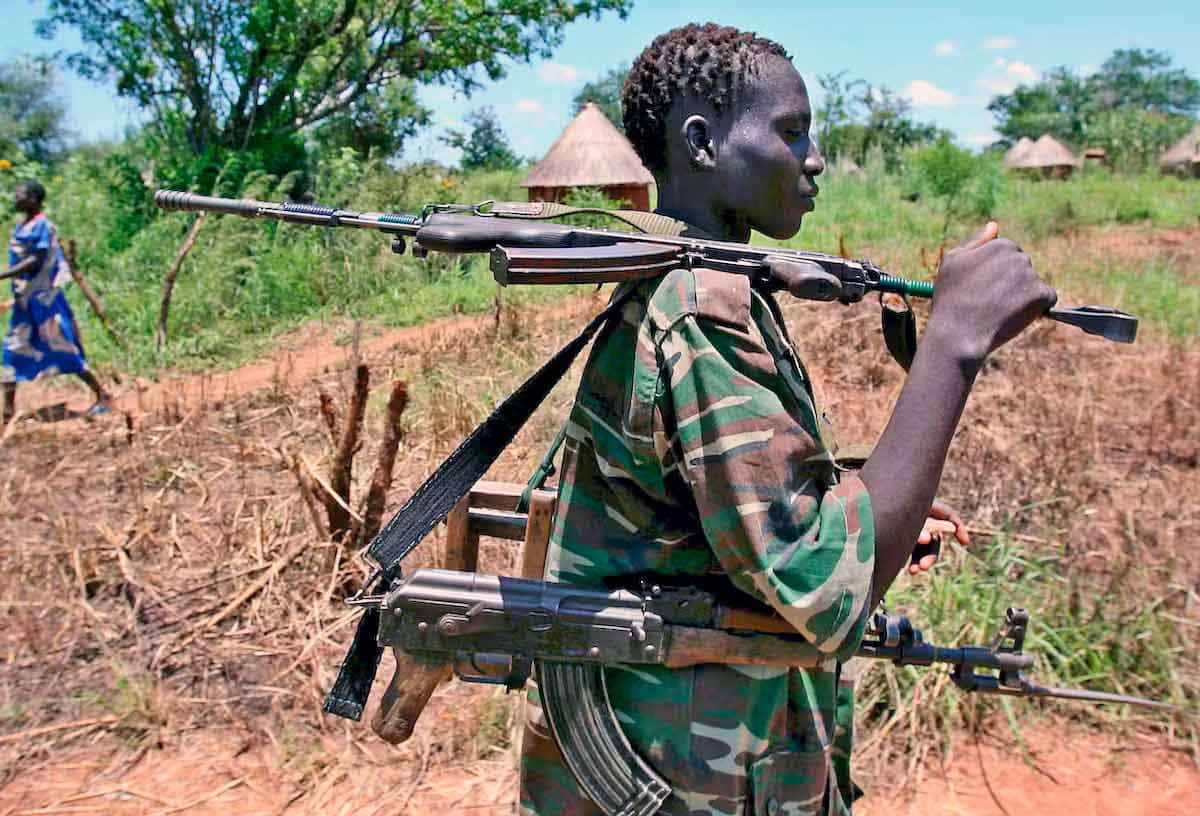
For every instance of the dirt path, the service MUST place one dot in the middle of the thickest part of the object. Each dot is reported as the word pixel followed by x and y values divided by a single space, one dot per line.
pixel 299 357
pixel 217 772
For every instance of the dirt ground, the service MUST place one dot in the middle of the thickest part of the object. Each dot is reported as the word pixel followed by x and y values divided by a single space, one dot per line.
pixel 169 621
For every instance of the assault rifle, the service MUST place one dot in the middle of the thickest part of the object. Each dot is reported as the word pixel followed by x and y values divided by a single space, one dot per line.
pixel 525 249
pixel 497 629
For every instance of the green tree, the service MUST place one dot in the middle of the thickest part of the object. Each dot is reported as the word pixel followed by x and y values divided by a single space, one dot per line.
pixel 228 76
pixel 944 171
pixel 606 93
pixel 1143 78
pixel 32 116
pixel 484 145
pixel 856 119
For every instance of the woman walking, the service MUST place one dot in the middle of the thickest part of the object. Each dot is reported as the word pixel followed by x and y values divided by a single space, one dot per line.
pixel 43 337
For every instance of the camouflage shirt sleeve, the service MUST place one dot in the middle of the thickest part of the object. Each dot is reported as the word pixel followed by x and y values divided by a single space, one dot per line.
pixel 743 435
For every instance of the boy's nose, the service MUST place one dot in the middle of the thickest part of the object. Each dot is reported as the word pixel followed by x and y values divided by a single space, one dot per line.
pixel 814 162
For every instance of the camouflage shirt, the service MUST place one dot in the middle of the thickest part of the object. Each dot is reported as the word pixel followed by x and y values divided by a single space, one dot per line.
pixel 695 447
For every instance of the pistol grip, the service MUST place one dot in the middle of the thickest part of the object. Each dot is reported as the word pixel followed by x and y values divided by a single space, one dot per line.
pixel 406 695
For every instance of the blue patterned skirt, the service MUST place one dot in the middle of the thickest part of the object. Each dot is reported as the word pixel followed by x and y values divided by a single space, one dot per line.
pixel 42 339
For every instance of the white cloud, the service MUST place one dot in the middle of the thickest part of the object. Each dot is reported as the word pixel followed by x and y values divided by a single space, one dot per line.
pixel 945 48
pixel 1022 72
pixel 557 73
pixel 528 106
pixel 1000 43
pixel 981 139
pixel 1007 76
pixel 924 93
pixel 997 85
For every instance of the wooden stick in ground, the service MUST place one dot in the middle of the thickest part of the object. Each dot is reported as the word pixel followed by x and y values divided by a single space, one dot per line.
pixel 381 478
pixel 160 332
pixel 93 299
pixel 343 461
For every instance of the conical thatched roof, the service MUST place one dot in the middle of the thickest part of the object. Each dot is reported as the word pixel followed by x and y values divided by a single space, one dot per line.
pixel 1184 153
pixel 1014 153
pixel 1045 152
pixel 589 153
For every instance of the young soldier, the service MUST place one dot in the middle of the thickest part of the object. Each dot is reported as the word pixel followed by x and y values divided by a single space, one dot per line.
pixel 694 447
pixel 43 337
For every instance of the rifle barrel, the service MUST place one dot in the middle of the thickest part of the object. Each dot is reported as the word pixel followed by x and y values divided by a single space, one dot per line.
pixel 858 277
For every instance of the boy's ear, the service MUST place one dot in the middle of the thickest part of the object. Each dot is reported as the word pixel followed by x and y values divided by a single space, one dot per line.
pixel 697 141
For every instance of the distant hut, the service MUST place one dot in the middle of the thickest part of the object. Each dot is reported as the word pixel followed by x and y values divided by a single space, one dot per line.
pixel 1014 153
pixel 1184 158
pixel 1096 155
pixel 1046 158
pixel 591 153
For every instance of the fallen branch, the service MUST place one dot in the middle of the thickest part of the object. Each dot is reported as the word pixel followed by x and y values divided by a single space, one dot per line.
pixel 160 332
pixel 254 588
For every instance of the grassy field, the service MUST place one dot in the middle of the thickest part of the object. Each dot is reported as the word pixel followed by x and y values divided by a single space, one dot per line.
pixel 246 282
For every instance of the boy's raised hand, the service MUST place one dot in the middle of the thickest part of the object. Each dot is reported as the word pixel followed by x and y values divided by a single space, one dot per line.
pixel 986 294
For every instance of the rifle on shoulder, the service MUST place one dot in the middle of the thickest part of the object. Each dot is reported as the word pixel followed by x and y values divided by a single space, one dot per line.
pixel 524 249
pixel 496 629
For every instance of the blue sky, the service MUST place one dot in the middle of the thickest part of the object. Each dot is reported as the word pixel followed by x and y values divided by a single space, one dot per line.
pixel 948 58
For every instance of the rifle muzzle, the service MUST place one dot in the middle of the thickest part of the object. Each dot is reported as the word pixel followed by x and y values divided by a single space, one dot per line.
pixel 178 201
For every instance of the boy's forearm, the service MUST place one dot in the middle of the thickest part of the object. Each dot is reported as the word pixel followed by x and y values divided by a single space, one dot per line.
pixel 903 473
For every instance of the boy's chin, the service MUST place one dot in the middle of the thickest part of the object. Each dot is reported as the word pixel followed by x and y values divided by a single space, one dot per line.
pixel 782 230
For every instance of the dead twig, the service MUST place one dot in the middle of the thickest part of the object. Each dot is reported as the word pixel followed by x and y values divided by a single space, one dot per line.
pixel 160 332
pixel 33 733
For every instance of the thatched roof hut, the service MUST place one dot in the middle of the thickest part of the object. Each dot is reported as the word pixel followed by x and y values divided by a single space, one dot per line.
pixel 591 153
pixel 1184 157
pixel 1014 153
pixel 1047 157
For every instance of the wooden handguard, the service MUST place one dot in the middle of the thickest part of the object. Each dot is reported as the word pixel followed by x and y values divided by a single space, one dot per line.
pixel 603 264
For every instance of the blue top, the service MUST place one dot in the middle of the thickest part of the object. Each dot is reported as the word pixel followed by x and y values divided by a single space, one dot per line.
pixel 37 235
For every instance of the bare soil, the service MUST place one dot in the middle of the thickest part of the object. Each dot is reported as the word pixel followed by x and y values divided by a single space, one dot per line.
pixel 169 622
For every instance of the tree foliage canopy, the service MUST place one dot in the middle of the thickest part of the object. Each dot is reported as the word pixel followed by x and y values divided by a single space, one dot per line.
pixel 1134 106
pixel 32 116
pixel 857 118
pixel 484 145
pixel 605 92
pixel 250 75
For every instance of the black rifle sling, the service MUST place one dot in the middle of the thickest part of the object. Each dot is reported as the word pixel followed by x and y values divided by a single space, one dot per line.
pixel 433 500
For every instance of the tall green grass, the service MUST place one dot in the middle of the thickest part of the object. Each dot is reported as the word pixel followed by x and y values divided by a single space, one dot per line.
pixel 1088 631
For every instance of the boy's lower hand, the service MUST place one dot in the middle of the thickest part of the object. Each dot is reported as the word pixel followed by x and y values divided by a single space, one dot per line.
pixel 942 520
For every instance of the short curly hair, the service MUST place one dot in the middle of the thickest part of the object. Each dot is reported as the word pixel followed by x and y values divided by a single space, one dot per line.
pixel 710 61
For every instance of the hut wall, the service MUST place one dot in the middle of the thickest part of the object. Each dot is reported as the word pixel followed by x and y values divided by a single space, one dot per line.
pixel 635 196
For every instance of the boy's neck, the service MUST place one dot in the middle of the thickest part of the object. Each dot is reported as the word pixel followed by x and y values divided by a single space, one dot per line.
pixel 697 211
